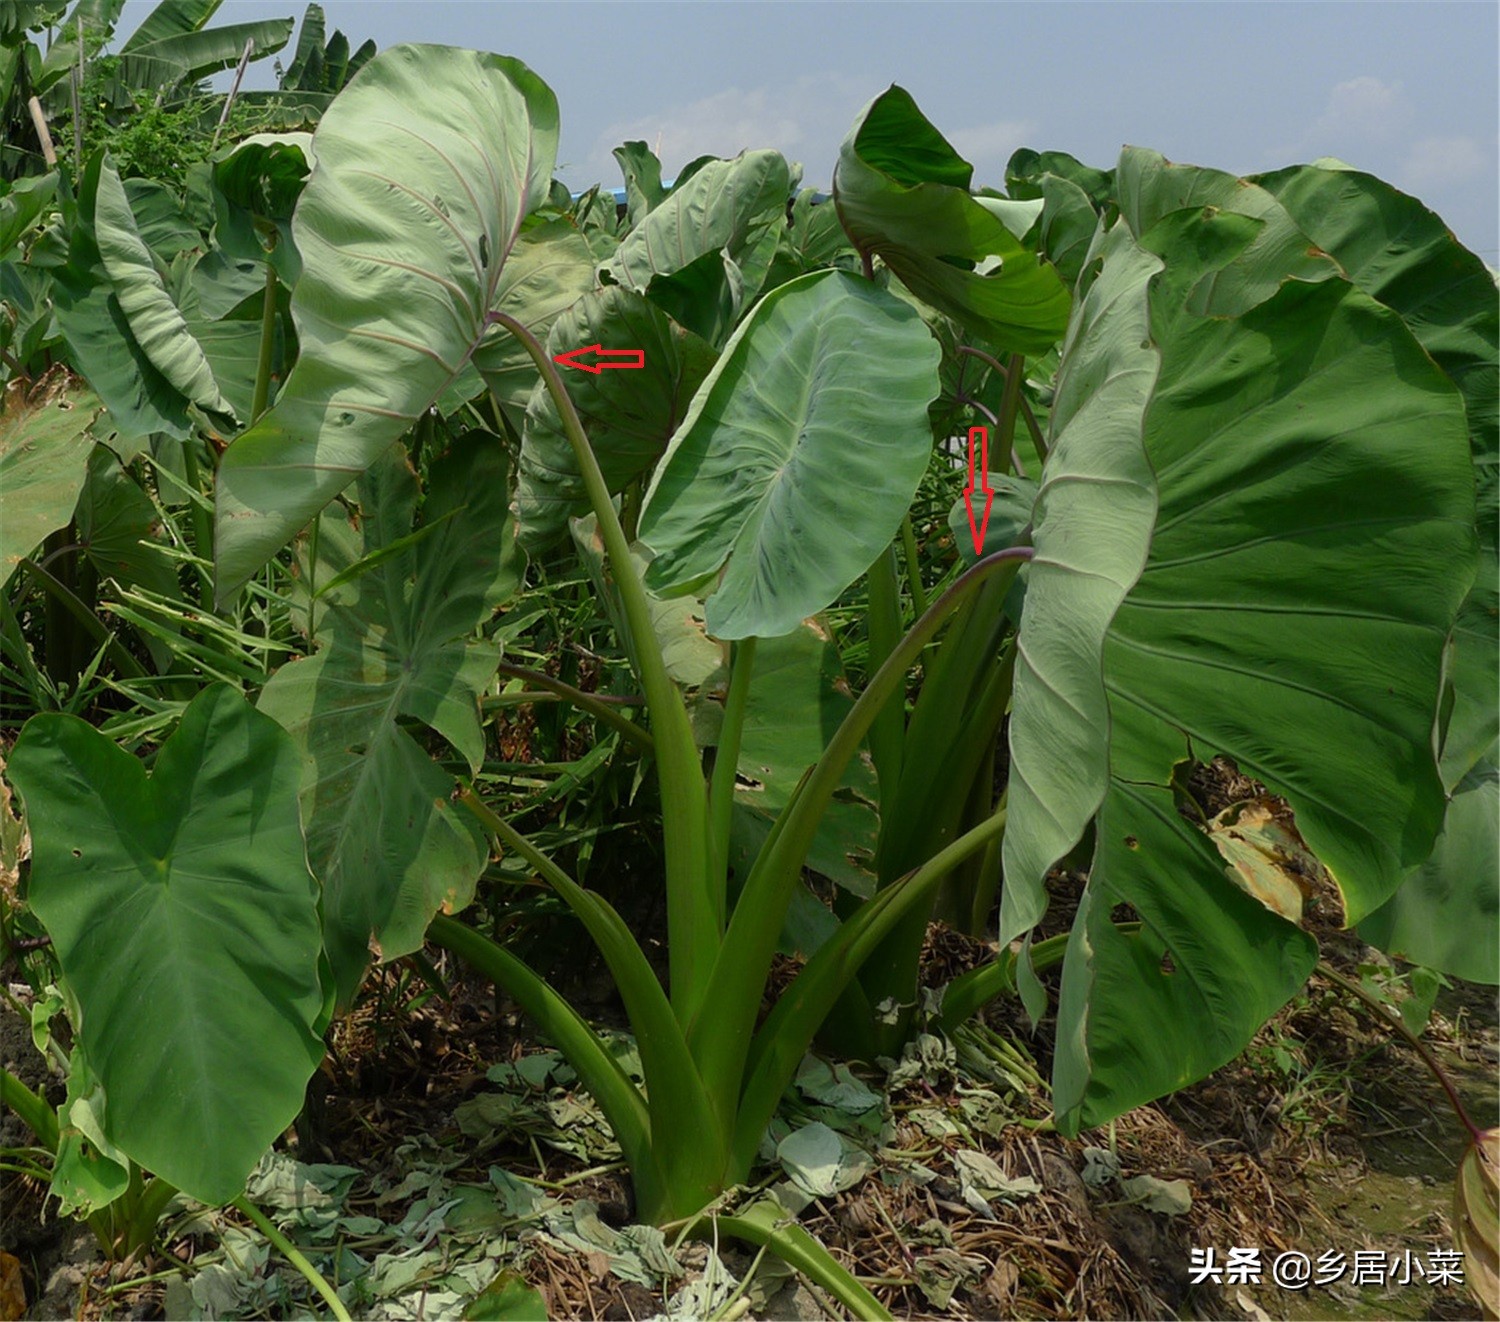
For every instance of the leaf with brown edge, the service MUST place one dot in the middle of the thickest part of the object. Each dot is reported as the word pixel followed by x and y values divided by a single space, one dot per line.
pixel 1476 1219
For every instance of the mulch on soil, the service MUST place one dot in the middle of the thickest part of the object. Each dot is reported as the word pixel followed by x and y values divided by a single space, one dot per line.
pixel 1250 1149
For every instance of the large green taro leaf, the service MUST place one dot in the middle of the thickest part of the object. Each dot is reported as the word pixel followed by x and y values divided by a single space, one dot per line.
pixel 154 318
pixel 642 173
pixel 1311 547
pixel 726 206
pixel 427 163
pixel 798 698
pixel 265 173
pixel 902 193
pixel 255 186
pixel 22 204
pixel 185 921
pixel 1147 1011
pixel 233 352
pixel 1150 187
pixel 116 523
pixel 46 437
pixel 117 527
pixel 1027 171
pixel 1091 530
pixel 629 415
pixel 104 348
pixel 161 218
pixel 799 456
pixel 383 836
pixel 1447 913
pixel 812 241
pixel 1400 253
pixel 1473 725
pixel 1065 230
pixel 549 270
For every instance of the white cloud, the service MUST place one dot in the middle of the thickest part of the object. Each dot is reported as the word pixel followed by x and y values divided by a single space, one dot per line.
pixel 805 119
pixel 723 124
pixel 1363 109
pixel 1435 161
pixel 987 147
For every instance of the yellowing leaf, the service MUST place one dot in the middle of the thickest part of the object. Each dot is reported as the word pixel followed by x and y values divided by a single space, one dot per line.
pixel 1268 859
pixel 1476 1219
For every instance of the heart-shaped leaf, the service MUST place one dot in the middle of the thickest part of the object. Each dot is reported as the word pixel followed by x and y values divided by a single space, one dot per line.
pixel 154 318
pixel 1400 253
pixel 726 206
pixel 798 457
pixel 105 350
pixel 549 270
pixel 1447 913
pixel 428 162
pixel 1307 559
pixel 1151 187
pixel 186 924
pixel 1092 526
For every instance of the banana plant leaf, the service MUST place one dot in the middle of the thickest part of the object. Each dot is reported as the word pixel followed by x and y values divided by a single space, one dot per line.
pixel 189 57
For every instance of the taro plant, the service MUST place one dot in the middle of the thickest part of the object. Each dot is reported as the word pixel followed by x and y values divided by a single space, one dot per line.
pixel 1300 540
pixel 183 918
pixel 1255 482
pixel 1246 531
pixel 821 358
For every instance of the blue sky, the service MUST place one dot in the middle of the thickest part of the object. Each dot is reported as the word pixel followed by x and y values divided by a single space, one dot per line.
pixel 1407 91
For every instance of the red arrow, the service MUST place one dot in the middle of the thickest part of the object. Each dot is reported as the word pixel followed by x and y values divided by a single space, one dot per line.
pixel 631 357
pixel 979 522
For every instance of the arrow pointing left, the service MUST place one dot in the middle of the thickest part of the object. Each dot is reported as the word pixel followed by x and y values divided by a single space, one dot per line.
pixel 607 358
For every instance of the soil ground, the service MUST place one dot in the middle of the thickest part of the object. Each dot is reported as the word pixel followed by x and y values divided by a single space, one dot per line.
pixel 1328 1134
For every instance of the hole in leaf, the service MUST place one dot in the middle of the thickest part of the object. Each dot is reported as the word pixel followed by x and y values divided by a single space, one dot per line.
pixel 1255 832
